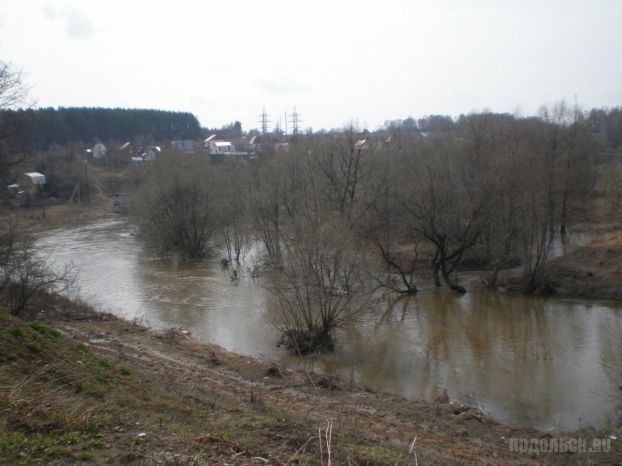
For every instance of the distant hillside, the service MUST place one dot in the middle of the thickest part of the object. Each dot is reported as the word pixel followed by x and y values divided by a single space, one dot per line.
pixel 42 127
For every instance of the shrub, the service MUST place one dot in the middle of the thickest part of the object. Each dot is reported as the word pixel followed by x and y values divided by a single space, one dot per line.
pixel 177 208
pixel 25 278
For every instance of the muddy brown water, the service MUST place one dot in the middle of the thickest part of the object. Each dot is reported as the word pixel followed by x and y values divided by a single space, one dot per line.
pixel 551 363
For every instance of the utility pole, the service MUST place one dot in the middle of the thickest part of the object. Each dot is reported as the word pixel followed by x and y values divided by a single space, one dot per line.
pixel 264 122
pixel 86 179
pixel 295 122
pixel 277 128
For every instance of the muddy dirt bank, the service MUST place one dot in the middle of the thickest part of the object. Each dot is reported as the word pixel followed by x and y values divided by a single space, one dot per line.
pixel 299 405
pixel 592 271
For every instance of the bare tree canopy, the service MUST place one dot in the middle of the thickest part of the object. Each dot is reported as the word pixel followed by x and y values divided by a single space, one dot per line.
pixel 13 91
pixel 177 207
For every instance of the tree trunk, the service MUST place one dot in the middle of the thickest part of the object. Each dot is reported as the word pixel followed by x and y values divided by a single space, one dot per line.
pixel 436 266
pixel 450 283
pixel 562 229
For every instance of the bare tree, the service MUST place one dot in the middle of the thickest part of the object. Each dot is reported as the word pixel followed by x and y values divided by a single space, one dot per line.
pixel 342 167
pixel 279 188
pixel 448 204
pixel 387 229
pixel 13 91
pixel 552 145
pixel 499 244
pixel 25 278
pixel 264 207
pixel 578 166
pixel 234 226
pixel 177 206
pixel 322 282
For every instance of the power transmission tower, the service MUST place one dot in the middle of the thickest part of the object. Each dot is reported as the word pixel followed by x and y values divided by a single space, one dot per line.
pixel 295 122
pixel 264 121
pixel 277 127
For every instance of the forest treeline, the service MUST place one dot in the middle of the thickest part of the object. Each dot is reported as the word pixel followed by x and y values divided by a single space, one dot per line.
pixel 603 124
pixel 38 129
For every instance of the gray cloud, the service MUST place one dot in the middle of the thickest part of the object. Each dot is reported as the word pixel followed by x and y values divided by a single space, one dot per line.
pixel 75 23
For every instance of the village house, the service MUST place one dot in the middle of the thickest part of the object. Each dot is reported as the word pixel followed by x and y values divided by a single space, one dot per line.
pixel 207 142
pixel 31 182
pixel 223 147
pixel 218 146
pixel 361 145
pixel 28 185
pixel 149 153
pixel 253 145
pixel 127 149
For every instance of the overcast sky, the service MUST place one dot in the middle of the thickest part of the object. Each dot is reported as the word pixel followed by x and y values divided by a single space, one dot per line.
pixel 336 61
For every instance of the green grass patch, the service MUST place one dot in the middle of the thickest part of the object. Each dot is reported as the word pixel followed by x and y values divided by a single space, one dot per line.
pixel 33 347
pixel 83 348
pixel 45 330
pixel 103 362
pixel 19 448
pixel 16 332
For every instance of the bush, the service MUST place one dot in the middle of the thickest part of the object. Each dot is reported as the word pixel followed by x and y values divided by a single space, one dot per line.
pixel 176 206
pixel 321 283
pixel 25 278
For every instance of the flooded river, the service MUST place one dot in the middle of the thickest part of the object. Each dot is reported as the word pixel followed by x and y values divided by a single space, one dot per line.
pixel 545 362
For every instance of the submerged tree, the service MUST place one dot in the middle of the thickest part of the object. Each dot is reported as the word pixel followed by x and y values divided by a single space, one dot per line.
pixel 177 206
pixel 448 203
pixel 384 225
pixel 322 283
pixel 234 226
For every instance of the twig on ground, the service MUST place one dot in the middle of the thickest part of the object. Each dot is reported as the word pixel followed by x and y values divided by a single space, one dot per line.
pixel 412 449
pixel 299 451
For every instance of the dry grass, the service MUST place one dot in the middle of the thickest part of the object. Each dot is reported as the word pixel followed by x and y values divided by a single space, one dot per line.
pixel 592 271
pixel 61 401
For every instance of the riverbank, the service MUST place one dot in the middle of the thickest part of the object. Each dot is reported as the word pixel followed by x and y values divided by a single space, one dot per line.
pixel 84 387
pixel 592 270
pixel 51 215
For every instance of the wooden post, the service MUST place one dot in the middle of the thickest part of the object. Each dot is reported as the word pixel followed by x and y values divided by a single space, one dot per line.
pixel 86 179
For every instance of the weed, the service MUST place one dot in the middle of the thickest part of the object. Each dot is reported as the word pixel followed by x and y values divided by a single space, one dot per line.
pixel 32 347
pixel 45 330
pixel 83 348
pixel 16 447
pixel 10 445
pixel 124 370
pixel 103 362
pixel 16 332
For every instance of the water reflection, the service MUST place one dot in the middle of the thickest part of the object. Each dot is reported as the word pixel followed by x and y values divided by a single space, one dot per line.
pixel 547 362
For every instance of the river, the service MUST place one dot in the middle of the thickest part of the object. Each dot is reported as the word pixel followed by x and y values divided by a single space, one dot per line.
pixel 547 362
